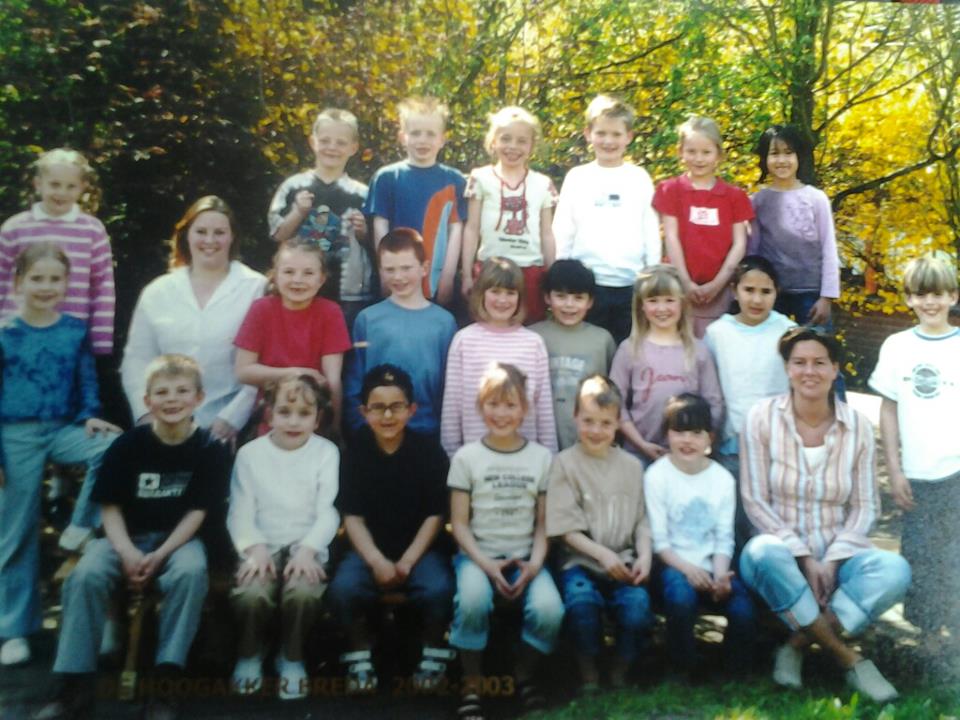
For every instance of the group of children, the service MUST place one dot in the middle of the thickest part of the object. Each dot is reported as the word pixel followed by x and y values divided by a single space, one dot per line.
pixel 509 430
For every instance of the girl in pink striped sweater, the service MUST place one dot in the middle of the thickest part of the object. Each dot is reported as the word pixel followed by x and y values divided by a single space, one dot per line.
pixel 63 181
pixel 497 336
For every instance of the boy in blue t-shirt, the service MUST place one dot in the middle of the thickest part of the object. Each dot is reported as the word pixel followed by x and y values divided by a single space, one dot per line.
pixel 422 194
pixel 323 206
pixel 406 330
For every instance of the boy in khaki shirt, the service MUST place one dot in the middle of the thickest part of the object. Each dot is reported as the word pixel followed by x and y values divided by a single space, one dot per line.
pixel 595 503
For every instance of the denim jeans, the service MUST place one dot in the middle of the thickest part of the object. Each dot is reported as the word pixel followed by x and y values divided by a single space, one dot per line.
pixel 26 448
pixel 429 588
pixel 182 581
pixel 867 584
pixel 585 596
pixel 682 604
pixel 473 603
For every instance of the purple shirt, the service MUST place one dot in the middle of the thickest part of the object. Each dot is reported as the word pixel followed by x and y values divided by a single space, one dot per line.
pixel 794 231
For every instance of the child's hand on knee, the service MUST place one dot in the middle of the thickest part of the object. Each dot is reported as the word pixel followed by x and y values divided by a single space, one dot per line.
pixel 130 561
pixel 150 565
pixel 614 565
pixel 303 564
pixel 640 571
pixel 384 573
pixel 699 578
pixel 494 570
pixel 259 564
pixel 722 588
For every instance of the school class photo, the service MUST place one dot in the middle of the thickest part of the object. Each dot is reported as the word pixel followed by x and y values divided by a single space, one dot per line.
pixel 555 360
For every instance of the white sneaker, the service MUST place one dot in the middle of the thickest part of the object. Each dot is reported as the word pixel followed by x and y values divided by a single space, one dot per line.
pixel 867 680
pixel 247 675
pixel 110 637
pixel 15 651
pixel 74 537
pixel 293 681
pixel 788 667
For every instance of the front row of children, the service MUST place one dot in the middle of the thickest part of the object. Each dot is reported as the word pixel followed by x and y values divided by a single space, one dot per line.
pixel 160 481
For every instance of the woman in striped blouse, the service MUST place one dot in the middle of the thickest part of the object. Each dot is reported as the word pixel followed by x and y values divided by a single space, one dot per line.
pixel 809 485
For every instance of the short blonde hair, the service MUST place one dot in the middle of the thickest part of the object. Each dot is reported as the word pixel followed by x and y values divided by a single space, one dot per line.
pixel 609 106
pixel 703 126
pixel 329 116
pixel 601 389
pixel 499 382
pixel 173 365
pixel 929 274
pixel 504 117
pixel 497 272
pixel 90 199
pixel 422 105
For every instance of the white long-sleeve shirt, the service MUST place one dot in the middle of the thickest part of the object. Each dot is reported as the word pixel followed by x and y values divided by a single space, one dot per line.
pixel 605 219
pixel 282 497
pixel 168 319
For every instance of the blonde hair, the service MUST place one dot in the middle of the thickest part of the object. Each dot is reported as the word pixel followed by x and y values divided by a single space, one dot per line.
pixel 654 281
pixel 497 272
pixel 289 246
pixel 90 199
pixel 504 117
pixel 703 126
pixel 499 382
pixel 328 116
pixel 609 106
pixel 38 251
pixel 929 274
pixel 426 105
pixel 173 365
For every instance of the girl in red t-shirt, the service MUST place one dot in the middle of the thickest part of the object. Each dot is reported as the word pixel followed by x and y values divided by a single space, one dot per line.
pixel 292 330
pixel 704 222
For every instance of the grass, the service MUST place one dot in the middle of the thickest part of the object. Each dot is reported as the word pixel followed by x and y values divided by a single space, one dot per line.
pixel 755 700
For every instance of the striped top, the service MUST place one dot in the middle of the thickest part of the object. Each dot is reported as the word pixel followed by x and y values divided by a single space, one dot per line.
pixel 90 291
pixel 825 513
pixel 471 352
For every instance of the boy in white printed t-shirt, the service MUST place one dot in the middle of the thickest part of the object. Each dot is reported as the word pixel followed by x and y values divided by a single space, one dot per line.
pixel 918 374
pixel 605 217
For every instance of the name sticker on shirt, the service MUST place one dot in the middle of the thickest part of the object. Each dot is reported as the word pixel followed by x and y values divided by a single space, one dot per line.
pixel 704 216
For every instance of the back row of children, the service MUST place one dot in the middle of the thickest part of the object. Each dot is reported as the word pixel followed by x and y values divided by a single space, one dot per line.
pixel 608 213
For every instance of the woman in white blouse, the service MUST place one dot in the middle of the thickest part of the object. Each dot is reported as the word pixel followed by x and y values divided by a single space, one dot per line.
pixel 196 309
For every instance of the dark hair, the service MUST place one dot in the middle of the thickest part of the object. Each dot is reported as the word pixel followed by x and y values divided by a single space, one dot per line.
pixel 755 262
pixel 801 333
pixel 400 239
pixel 602 389
pixel 180 246
pixel 687 412
pixel 790 136
pixel 570 276
pixel 313 392
pixel 386 375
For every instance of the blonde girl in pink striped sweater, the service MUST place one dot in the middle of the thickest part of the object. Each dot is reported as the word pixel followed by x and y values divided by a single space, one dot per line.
pixel 497 335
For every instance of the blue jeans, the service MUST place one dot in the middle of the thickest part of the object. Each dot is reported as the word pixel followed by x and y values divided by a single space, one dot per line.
pixel 585 595
pixel 867 584
pixel 26 448
pixel 182 581
pixel 473 603
pixel 429 588
pixel 681 605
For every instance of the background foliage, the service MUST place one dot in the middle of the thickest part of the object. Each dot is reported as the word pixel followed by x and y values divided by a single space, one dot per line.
pixel 176 99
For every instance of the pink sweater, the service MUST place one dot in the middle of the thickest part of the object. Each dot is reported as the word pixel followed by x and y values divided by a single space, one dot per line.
pixel 90 291
pixel 471 352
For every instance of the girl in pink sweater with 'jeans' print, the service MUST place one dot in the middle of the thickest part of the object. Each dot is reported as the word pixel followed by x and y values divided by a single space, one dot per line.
pixel 497 336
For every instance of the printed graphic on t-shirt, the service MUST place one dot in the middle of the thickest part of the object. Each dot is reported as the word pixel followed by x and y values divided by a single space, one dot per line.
pixel 151 486
pixel 704 216
pixel 696 519
pixel 509 486
pixel 566 371
pixel 648 379
pixel 607 199
pixel 926 381
pixel 514 209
